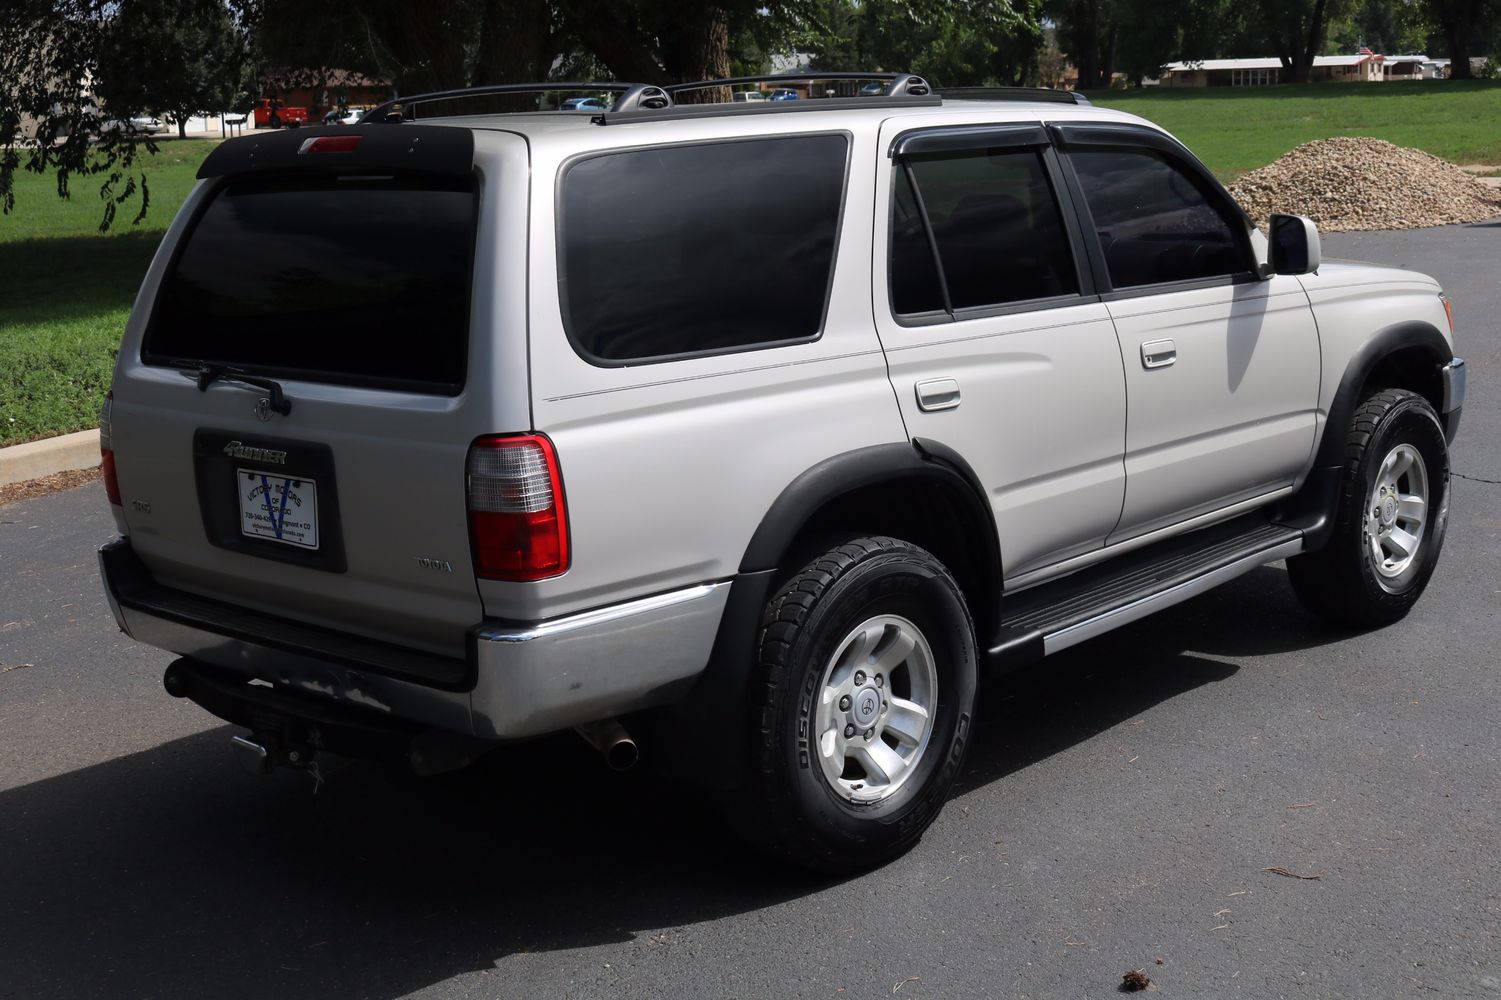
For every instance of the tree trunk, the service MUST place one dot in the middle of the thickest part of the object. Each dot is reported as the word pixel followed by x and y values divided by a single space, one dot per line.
pixel 515 42
pixel 701 52
pixel 1457 17
pixel 1107 67
pixel 627 54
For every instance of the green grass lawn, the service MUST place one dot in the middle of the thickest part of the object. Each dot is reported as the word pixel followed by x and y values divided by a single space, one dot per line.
pixel 1236 129
pixel 67 290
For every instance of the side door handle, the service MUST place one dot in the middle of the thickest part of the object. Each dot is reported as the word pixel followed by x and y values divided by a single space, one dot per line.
pixel 937 394
pixel 1158 353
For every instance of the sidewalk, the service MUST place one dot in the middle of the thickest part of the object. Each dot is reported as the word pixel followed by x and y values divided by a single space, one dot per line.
pixel 36 459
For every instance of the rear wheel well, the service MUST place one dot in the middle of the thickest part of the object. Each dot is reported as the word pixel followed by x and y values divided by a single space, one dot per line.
pixel 922 511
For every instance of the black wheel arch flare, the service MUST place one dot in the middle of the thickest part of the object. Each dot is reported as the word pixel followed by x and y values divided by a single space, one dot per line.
pixel 919 462
pixel 1313 506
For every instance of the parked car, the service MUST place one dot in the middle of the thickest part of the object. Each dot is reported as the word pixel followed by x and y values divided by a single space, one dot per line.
pixel 583 104
pixel 344 116
pixel 783 94
pixel 873 89
pixel 536 422
pixel 750 95
pixel 139 124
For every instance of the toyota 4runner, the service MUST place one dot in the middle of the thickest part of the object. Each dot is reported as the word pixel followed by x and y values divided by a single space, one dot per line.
pixel 765 427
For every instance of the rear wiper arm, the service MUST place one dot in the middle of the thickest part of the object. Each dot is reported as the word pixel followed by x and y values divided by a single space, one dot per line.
pixel 209 374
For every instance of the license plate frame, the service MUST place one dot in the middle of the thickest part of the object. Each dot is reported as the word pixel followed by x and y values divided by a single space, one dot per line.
pixel 278 508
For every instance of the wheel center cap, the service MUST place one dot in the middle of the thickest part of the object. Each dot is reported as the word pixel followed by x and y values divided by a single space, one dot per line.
pixel 865 705
pixel 1389 510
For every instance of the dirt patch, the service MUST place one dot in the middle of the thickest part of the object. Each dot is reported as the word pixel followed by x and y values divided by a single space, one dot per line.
pixel 56 483
pixel 1347 184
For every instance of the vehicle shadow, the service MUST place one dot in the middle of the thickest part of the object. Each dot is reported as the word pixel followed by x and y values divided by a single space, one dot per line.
pixel 1074 695
pixel 172 873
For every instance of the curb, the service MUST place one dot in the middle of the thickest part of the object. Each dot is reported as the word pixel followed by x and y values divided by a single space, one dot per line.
pixel 36 459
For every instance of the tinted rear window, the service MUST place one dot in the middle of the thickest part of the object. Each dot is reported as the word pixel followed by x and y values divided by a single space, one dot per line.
pixel 358 280
pixel 686 250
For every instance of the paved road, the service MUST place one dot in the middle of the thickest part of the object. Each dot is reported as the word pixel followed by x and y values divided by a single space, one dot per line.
pixel 1120 809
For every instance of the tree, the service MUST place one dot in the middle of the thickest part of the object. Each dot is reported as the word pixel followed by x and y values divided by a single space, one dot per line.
pixel 960 44
pixel 176 57
pixel 1088 33
pixel 49 54
pixel 1295 30
pixel 1463 23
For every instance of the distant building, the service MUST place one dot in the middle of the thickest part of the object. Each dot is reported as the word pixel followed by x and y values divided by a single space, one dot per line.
pixel 319 90
pixel 1364 67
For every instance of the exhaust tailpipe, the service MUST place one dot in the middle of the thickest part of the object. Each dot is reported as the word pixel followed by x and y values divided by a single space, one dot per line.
pixel 612 741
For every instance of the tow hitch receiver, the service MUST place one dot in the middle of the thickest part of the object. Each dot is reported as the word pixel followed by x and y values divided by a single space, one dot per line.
pixel 254 757
pixel 262 753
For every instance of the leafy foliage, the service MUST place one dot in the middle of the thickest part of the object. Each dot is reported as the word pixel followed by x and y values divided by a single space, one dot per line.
pixel 176 57
pixel 976 42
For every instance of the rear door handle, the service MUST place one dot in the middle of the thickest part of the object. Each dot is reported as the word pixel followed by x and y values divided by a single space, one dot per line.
pixel 1158 353
pixel 937 394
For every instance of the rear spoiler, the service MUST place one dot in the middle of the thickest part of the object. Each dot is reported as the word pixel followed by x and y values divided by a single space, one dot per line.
pixel 344 149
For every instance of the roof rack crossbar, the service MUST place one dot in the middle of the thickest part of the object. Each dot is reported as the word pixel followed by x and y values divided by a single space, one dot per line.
pixel 1042 94
pixel 382 112
pixel 899 83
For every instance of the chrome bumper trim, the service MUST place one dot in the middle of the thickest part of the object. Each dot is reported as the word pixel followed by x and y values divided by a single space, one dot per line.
pixel 530 679
pixel 1454 385
pixel 548 676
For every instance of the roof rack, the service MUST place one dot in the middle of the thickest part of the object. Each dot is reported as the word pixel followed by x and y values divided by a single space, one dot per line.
pixel 645 101
pixel 1044 94
pixel 632 96
pixel 896 84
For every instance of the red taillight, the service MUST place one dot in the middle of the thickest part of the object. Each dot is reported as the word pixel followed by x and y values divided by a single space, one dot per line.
pixel 518 520
pixel 107 451
pixel 331 144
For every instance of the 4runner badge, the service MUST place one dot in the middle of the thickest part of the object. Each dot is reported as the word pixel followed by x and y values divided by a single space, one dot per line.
pixel 237 450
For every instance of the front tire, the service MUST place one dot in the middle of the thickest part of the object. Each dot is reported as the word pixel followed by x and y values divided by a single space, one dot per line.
pixel 865 687
pixel 1389 524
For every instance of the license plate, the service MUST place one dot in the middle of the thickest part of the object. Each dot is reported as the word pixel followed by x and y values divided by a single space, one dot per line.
pixel 278 508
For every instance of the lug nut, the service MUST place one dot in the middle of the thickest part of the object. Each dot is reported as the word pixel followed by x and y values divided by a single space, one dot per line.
pixel 844 703
pixel 868 734
pixel 859 677
pixel 849 731
pixel 880 681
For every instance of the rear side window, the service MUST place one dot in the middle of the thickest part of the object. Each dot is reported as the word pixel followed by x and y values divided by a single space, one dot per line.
pixel 353 280
pixel 1154 221
pixel 997 226
pixel 686 250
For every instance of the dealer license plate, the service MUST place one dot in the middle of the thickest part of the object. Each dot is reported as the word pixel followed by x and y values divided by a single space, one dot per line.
pixel 278 508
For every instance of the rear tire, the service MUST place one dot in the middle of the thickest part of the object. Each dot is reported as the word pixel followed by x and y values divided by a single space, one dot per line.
pixel 1390 518
pixel 864 691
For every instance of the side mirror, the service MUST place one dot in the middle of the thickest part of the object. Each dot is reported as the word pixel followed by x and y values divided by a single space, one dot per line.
pixel 1293 245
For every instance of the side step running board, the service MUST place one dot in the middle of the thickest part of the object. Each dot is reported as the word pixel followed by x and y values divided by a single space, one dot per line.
pixel 1057 615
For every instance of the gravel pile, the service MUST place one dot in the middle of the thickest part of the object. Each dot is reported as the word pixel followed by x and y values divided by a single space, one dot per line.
pixel 1348 184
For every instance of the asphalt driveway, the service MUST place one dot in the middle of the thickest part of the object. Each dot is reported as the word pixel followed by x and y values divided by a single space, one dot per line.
pixel 1122 807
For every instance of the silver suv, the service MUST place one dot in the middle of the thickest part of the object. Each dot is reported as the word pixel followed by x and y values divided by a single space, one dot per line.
pixel 764 429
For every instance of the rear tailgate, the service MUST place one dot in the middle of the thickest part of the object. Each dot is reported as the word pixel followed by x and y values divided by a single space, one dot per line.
pixel 344 276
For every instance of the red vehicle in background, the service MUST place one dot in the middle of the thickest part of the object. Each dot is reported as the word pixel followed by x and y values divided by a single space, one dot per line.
pixel 272 113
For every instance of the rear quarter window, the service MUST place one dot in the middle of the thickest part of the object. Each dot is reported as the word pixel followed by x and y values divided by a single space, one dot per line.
pixel 680 251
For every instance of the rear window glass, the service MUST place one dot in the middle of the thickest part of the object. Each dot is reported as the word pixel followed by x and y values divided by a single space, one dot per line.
pixel 355 280
pixel 686 250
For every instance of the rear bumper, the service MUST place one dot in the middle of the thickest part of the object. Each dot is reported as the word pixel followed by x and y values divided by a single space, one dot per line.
pixel 517 680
